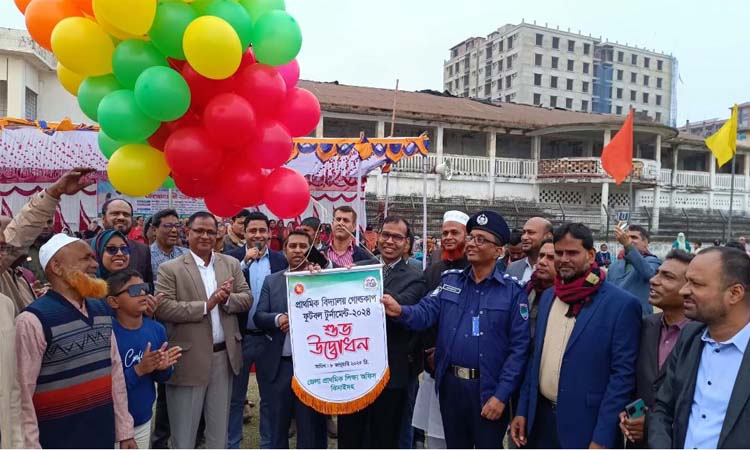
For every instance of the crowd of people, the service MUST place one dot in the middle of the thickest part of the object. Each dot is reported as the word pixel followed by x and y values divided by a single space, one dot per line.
pixel 144 333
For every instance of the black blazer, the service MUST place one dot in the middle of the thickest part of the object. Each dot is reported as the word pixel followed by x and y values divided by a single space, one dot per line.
pixel 648 377
pixel 272 301
pixel 140 260
pixel 668 422
pixel 278 263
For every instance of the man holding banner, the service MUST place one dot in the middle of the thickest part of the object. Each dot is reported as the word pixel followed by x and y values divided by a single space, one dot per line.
pixel 483 338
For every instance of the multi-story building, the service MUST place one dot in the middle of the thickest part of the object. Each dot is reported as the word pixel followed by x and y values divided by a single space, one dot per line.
pixel 538 65
pixel 708 127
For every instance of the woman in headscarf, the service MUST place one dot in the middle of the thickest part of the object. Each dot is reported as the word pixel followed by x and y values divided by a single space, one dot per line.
pixel 681 243
pixel 112 252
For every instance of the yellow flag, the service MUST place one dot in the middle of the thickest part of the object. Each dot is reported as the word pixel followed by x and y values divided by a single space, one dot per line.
pixel 723 143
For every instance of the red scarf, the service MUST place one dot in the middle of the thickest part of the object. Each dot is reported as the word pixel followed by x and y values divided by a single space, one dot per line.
pixel 579 292
pixel 538 285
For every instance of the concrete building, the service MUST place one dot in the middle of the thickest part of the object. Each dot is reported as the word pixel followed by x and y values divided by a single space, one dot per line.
pixel 29 88
pixel 708 127
pixel 538 65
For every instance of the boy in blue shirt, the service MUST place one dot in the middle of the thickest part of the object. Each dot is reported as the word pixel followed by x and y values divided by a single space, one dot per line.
pixel 136 335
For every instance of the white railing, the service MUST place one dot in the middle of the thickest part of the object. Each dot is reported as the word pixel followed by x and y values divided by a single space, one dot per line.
pixel 469 165
pixel 693 179
pixel 724 182
pixel 515 168
pixel 665 177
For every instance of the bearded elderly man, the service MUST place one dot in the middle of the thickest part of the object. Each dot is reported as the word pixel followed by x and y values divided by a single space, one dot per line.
pixel 69 368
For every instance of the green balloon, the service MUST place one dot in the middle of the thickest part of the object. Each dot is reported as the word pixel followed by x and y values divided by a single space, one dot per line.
pixel 162 94
pixel 122 120
pixel 168 28
pixel 200 6
pixel 277 38
pixel 107 145
pixel 132 57
pixel 256 8
pixel 236 16
pixel 169 184
pixel 92 91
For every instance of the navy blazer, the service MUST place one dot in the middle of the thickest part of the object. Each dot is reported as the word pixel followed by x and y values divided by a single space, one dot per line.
pixel 597 377
pixel 272 302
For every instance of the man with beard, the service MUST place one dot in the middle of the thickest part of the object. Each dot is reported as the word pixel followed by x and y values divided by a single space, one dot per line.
pixel 542 279
pixel 453 245
pixel 72 385
pixel 702 402
pixel 535 230
pixel 117 214
pixel 582 370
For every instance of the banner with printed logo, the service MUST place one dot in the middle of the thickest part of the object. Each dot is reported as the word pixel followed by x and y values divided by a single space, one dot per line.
pixel 337 331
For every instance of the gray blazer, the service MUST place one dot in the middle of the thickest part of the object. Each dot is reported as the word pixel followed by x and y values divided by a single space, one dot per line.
pixel 517 268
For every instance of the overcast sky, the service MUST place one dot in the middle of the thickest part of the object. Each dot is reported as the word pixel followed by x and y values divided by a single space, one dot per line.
pixel 374 42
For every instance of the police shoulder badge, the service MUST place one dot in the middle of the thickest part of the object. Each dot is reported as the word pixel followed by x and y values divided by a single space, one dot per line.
pixel 524 309
pixel 482 220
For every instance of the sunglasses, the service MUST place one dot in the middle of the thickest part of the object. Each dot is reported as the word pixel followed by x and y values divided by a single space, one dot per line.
pixel 136 290
pixel 113 250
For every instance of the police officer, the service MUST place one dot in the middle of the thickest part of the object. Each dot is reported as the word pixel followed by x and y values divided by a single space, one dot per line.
pixel 483 338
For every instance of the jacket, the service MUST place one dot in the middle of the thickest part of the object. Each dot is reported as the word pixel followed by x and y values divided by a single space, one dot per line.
pixel 597 376
pixel 516 269
pixel 272 301
pixel 632 273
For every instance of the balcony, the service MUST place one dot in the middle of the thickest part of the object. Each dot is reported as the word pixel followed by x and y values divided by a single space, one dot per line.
pixel 473 166
pixel 590 169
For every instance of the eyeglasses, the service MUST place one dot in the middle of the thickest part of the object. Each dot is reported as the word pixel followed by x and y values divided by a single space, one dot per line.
pixel 136 290
pixel 397 238
pixel 480 240
pixel 170 226
pixel 114 250
pixel 209 233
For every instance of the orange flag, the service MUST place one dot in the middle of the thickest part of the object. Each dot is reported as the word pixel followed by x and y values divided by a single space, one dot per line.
pixel 617 156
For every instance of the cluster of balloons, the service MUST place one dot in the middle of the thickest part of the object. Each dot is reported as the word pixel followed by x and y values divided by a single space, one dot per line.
pixel 195 94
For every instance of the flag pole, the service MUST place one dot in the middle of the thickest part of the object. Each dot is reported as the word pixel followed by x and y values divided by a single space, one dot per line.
pixel 731 197
pixel 630 194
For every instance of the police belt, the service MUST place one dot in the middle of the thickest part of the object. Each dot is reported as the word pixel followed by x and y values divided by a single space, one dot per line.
pixel 464 373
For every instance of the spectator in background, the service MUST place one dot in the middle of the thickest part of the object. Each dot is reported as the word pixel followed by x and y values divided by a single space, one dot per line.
pixel 112 252
pixel 344 250
pixel 513 251
pixel 697 247
pixel 535 230
pixel 743 241
pixel 312 227
pixel 717 243
pixel 235 237
pixel 603 256
pixel 93 229
pixel 635 265
pixel 12 280
pixel 735 244
pixel 275 241
pixel 117 214
pixel 136 232
pixel 149 231
pixel 32 263
pixel 681 243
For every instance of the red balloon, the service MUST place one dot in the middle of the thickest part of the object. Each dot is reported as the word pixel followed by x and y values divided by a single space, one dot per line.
pixel 272 146
pixel 176 64
pixel 192 154
pixel 263 87
pixel 248 59
pixel 193 187
pixel 202 89
pixel 220 205
pixel 242 184
pixel 160 136
pixel 189 119
pixel 300 112
pixel 230 120
pixel 286 193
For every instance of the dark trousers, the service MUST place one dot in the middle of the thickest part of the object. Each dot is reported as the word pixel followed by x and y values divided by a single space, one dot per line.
pixel 406 439
pixel 284 406
pixel 544 432
pixel 377 426
pixel 463 423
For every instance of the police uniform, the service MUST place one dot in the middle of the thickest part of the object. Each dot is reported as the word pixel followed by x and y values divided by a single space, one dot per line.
pixel 482 344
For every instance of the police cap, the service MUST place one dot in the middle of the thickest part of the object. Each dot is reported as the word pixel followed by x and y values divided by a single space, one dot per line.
pixel 490 222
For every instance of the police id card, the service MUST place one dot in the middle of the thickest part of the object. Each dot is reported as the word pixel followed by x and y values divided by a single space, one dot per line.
pixel 475 326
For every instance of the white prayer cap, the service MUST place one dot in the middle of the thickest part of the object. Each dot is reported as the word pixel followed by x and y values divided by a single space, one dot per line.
pixel 50 249
pixel 456 216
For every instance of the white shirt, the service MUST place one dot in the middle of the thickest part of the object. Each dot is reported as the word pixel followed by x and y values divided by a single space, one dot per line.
pixel 208 276
pixel 527 271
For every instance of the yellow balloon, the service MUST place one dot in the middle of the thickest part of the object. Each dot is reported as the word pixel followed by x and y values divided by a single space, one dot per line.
pixel 69 79
pixel 133 17
pixel 137 170
pixel 82 46
pixel 119 34
pixel 212 47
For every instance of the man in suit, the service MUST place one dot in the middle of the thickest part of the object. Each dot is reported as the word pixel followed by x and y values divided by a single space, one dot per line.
pixel 703 400
pixel 257 261
pixel 276 368
pixel 659 335
pixel 535 230
pixel 582 369
pixel 117 214
pixel 202 292
pixel 379 425
pixel 635 266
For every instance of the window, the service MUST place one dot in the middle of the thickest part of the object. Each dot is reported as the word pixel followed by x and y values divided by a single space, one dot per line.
pixel 553 101
pixel 620 56
pixel 539 41
pixel 658 83
pixel 569 103
pixel 633 77
pixel 3 98
pixel 455 83
pixel 508 82
pixel 585 67
pixel 645 80
pixel 585 105
pixel 553 82
pixel 619 93
pixel 634 59
pixel 31 98
pixel 619 74
pixel 659 64
pixel 645 97
pixel 585 86
pixel 448 86
pixel 510 43
pixel 658 117
pixel 646 62
pixel 586 49
pixel 555 60
pixel 500 66
pixel 658 100
pixel 454 53
pixel 537 79
pixel 632 95
pixel 538 60
pixel 488 52
pixel 499 84
pixel 488 70
pixel 500 45
pixel 509 64
pixel 571 65
pixel 487 89
pixel 450 71
pixel 571 45
pixel 537 97
pixel 569 84
pixel 555 42
pixel 508 98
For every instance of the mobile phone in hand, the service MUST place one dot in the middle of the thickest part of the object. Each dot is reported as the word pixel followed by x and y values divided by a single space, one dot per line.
pixel 636 409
